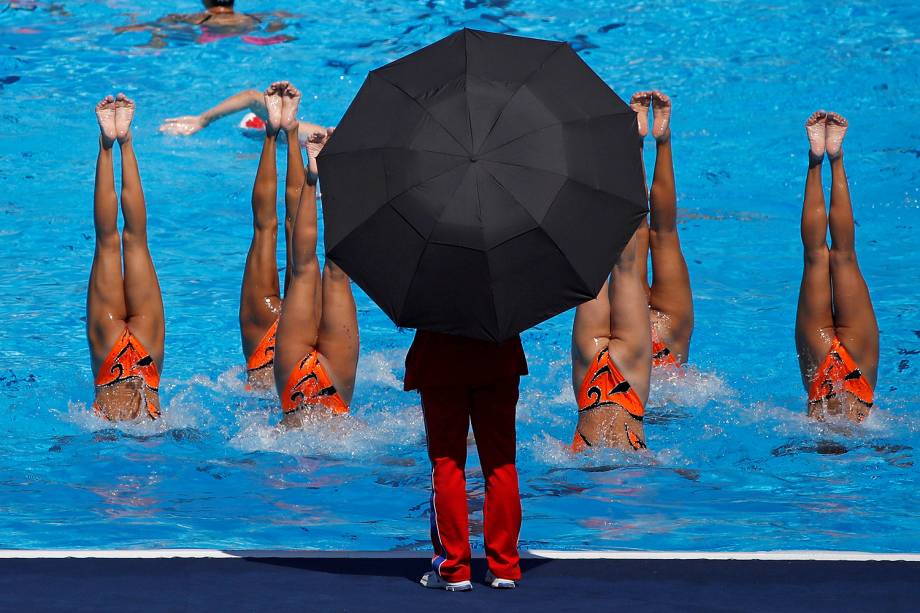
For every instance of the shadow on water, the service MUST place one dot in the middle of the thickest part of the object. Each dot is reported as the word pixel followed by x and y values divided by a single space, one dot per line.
pixel 897 455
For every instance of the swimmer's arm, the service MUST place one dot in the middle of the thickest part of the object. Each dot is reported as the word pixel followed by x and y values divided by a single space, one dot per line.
pixel 163 21
pixel 276 20
pixel 250 99
pixel 138 27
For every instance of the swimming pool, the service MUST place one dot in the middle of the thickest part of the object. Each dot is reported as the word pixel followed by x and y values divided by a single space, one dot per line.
pixel 735 466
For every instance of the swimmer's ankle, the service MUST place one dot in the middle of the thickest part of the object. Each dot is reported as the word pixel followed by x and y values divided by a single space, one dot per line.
pixel 834 159
pixel 814 160
pixel 106 144
pixel 126 139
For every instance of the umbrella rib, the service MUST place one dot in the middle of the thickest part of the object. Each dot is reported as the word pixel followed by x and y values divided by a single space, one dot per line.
pixel 466 88
pixel 486 253
pixel 501 113
pixel 566 177
pixel 552 125
pixel 418 263
pixel 390 148
pixel 419 104
pixel 387 203
pixel 545 233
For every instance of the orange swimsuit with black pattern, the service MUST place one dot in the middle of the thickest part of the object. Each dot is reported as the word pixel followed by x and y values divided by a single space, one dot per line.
pixel 309 384
pixel 129 360
pixel 838 371
pixel 264 355
pixel 661 353
pixel 605 386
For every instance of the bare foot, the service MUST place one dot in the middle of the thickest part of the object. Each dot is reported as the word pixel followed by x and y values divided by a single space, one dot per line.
pixel 315 145
pixel 661 111
pixel 273 106
pixel 640 102
pixel 836 130
pixel 815 129
pixel 290 100
pixel 105 115
pixel 124 113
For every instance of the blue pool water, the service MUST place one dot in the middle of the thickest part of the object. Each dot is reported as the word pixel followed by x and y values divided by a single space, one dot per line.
pixel 735 464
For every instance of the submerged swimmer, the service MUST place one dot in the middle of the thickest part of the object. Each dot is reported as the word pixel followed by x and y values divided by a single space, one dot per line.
pixel 260 295
pixel 612 355
pixel 253 122
pixel 218 20
pixel 669 297
pixel 316 346
pixel 836 334
pixel 124 309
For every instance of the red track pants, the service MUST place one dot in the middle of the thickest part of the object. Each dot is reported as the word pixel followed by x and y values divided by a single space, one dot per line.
pixel 448 413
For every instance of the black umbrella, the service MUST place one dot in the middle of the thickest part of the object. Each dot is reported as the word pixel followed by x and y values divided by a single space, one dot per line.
pixel 482 184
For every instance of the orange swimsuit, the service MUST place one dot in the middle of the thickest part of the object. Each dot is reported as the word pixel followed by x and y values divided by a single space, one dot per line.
pixel 839 371
pixel 264 355
pixel 661 355
pixel 309 384
pixel 605 386
pixel 129 360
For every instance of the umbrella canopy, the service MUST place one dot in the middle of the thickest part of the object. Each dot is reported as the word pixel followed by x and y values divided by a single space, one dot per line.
pixel 482 184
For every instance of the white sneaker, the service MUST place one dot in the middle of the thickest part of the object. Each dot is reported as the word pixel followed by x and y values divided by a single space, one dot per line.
pixel 501 584
pixel 434 581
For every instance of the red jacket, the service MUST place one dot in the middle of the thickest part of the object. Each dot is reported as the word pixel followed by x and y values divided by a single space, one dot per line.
pixel 436 359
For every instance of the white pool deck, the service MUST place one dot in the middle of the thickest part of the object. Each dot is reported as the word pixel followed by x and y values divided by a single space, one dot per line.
pixel 840 556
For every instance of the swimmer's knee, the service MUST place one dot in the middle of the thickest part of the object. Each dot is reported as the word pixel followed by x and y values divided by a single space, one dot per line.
pixel 332 272
pixel 817 255
pixel 301 266
pixel 267 223
pixel 108 241
pixel 292 194
pixel 133 239
pixel 842 256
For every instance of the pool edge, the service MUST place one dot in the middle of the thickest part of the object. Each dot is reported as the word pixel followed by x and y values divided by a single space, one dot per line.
pixel 782 555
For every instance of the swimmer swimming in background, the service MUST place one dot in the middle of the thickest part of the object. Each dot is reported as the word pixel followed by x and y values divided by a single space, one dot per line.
pixel 260 295
pixel 836 333
pixel 316 347
pixel 218 20
pixel 612 355
pixel 252 124
pixel 125 325
pixel 670 300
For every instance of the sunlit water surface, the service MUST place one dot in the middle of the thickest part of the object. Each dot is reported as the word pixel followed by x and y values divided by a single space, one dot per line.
pixel 734 465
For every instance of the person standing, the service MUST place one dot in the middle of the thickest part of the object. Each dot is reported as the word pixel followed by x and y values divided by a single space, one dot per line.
pixel 462 380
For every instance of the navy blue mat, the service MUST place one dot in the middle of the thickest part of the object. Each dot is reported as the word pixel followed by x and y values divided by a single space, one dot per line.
pixel 310 584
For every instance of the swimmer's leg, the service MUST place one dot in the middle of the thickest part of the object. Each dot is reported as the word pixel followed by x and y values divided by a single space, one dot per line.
pixel 295 175
pixel 260 295
pixel 106 313
pixel 143 299
pixel 617 320
pixel 630 336
pixel 590 334
pixel 338 329
pixel 640 103
pixel 854 317
pixel 814 323
pixel 298 330
pixel 670 293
